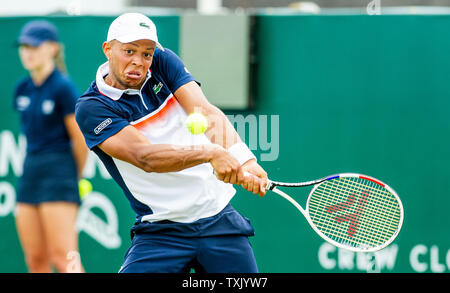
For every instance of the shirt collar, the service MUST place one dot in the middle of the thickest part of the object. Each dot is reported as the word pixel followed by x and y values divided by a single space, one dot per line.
pixel 112 92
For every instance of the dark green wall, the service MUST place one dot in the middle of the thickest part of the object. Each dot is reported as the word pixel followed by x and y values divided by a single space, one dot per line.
pixel 355 94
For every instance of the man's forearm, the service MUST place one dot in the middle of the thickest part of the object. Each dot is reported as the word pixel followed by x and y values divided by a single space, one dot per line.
pixel 171 158
pixel 220 130
pixel 223 133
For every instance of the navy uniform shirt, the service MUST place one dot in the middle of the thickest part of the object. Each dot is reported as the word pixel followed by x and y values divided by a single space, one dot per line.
pixel 42 112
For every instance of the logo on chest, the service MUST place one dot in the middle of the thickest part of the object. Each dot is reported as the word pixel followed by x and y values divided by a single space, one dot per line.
pixel 48 106
pixel 157 87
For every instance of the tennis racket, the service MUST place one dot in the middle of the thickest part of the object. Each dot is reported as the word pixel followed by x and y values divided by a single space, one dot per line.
pixel 351 211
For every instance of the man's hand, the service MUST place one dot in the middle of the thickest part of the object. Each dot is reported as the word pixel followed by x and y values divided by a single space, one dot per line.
pixel 226 167
pixel 257 181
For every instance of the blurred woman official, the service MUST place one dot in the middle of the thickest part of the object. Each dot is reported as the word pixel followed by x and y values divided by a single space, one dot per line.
pixel 47 195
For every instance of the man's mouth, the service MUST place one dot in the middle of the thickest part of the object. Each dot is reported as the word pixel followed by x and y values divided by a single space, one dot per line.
pixel 133 75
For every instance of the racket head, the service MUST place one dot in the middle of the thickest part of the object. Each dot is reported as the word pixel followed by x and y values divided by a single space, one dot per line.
pixel 355 212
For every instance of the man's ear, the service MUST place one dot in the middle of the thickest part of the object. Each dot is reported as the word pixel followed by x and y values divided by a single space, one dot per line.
pixel 107 49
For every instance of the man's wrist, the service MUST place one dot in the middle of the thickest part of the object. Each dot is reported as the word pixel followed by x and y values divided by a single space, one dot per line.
pixel 213 150
pixel 241 152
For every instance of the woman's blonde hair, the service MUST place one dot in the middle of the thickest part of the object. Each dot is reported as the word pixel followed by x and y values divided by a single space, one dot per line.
pixel 60 59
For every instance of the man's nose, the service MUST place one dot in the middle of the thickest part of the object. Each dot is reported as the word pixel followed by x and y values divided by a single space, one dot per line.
pixel 138 60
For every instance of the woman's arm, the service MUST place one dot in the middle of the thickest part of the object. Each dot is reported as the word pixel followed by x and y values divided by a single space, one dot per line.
pixel 79 148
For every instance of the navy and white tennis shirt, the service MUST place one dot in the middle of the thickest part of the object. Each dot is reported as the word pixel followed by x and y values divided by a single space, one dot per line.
pixel 43 109
pixel 102 111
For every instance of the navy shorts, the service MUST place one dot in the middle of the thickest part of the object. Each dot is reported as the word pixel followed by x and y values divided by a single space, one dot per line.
pixel 217 244
pixel 48 177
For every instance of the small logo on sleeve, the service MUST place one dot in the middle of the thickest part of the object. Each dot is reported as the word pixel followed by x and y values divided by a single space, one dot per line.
pixel 22 103
pixel 102 125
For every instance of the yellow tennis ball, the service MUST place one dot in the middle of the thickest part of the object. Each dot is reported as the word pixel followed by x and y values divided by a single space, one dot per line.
pixel 84 187
pixel 196 123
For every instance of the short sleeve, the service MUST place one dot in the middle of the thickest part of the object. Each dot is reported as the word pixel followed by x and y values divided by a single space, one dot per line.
pixel 14 97
pixel 173 70
pixel 67 97
pixel 97 120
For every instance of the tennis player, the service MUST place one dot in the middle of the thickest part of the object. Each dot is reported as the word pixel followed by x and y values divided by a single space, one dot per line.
pixel 48 198
pixel 132 117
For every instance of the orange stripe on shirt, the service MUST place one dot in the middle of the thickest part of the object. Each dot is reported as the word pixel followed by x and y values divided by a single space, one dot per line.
pixel 169 105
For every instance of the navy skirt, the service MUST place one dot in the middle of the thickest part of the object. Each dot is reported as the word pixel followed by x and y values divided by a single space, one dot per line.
pixel 49 177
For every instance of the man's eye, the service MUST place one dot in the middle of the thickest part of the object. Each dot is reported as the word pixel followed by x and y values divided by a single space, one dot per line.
pixel 128 51
pixel 147 55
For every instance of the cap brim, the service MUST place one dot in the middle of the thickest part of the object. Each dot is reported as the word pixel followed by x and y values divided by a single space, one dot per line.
pixel 26 40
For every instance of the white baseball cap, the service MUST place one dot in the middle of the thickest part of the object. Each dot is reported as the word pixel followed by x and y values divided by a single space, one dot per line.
pixel 130 27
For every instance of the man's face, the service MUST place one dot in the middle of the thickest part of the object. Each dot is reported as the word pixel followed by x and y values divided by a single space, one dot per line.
pixel 128 62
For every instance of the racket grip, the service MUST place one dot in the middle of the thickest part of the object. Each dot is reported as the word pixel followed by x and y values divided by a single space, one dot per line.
pixel 247 174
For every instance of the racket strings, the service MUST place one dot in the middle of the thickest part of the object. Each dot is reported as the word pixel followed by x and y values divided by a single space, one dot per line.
pixel 386 215
pixel 350 186
pixel 378 219
pixel 377 223
pixel 360 221
pixel 348 191
pixel 391 207
pixel 355 241
pixel 388 208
